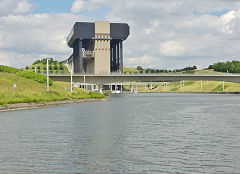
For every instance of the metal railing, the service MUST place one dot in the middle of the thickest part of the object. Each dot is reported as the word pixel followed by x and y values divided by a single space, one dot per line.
pixel 148 74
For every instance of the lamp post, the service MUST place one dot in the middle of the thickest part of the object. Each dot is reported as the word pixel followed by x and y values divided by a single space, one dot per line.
pixel 71 88
pixel 47 77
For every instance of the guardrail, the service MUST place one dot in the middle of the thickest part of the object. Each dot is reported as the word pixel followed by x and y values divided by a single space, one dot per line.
pixel 148 74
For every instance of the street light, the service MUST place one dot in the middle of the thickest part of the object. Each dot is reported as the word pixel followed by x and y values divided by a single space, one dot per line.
pixel 71 88
pixel 47 77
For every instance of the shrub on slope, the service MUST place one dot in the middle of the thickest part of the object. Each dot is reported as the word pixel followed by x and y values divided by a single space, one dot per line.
pixel 26 74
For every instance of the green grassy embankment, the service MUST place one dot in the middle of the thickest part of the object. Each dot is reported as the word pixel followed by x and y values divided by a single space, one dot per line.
pixel 34 90
pixel 129 70
pixel 191 86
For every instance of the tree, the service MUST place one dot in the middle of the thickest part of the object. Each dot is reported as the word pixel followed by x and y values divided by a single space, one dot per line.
pixel 50 61
pixel 36 62
pixel 61 67
pixel 44 68
pixel 139 68
pixel 38 67
pixel 50 67
pixel 33 67
pixel 210 67
pixel 27 67
pixel 55 67
pixel 44 61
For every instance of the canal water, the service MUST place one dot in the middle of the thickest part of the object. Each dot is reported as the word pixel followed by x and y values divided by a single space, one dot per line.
pixel 142 133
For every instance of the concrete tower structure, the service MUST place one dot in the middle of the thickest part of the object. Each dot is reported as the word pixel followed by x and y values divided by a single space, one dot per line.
pixel 97 47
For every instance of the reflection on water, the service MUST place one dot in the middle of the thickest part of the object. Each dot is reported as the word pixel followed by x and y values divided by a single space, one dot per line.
pixel 143 133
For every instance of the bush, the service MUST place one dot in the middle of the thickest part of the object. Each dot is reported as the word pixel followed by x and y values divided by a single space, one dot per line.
pixel 139 68
pixel 26 74
pixel 36 62
pixel 61 67
pixel 27 67
pixel 55 67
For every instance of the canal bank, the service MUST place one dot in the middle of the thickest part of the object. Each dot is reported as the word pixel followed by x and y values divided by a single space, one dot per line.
pixel 34 105
pixel 220 92
pixel 20 90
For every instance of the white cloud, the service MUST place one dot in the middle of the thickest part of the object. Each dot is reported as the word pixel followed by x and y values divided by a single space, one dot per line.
pixel 172 48
pixel 186 31
pixel 82 5
pixel 35 35
pixel 14 7
pixel 23 7
pixel 145 60
pixel 164 34
pixel 226 21
pixel 78 5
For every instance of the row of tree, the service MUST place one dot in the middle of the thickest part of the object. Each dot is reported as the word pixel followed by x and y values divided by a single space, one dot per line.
pixel 232 67
pixel 55 67
pixel 44 61
pixel 149 70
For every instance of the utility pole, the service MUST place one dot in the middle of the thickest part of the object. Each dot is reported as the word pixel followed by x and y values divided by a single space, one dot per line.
pixel 47 77
pixel 84 82
pixel 71 81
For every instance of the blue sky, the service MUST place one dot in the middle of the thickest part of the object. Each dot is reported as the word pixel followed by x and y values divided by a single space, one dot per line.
pixel 64 6
pixel 52 6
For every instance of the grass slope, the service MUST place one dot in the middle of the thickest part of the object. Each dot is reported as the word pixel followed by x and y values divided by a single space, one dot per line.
pixel 29 90
pixel 192 86
pixel 207 71
pixel 129 70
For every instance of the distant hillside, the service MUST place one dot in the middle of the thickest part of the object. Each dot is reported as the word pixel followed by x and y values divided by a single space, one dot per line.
pixel 55 67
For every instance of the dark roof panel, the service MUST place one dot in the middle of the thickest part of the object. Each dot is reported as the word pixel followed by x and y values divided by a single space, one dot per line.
pixel 119 31
pixel 86 30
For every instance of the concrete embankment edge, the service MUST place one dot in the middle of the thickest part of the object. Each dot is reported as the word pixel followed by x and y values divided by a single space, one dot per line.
pixel 24 106
pixel 191 92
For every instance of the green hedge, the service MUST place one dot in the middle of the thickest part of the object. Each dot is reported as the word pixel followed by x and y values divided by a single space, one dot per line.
pixel 26 74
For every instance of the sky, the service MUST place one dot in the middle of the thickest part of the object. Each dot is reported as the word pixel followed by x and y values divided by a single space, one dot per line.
pixel 164 34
